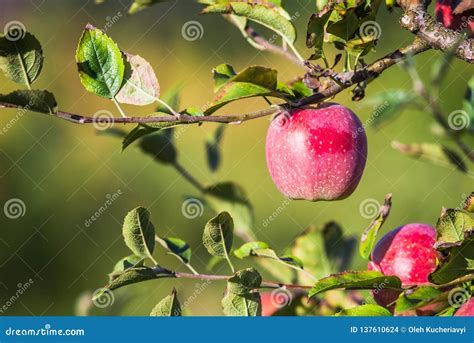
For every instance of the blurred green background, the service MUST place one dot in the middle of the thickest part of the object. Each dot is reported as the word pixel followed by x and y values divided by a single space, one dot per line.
pixel 64 172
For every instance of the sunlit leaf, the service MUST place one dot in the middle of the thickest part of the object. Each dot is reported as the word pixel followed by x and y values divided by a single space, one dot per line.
pixel 139 232
pixel 168 307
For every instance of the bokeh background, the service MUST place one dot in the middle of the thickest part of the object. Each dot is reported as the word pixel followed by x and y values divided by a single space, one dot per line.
pixel 64 173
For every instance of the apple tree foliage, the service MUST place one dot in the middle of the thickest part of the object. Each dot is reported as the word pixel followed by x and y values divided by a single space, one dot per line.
pixel 318 259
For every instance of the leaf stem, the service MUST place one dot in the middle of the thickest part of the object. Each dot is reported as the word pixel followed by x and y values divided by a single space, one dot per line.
pixel 191 179
pixel 122 113
pixel 190 267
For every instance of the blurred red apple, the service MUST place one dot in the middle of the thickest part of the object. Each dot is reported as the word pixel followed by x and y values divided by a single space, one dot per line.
pixel 268 305
pixel 467 309
pixel 316 154
pixel 444 11
pixel 406 252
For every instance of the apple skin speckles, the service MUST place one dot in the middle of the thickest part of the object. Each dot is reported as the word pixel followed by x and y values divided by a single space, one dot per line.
pixel 316 154
pixel 467 309
pixel 406 252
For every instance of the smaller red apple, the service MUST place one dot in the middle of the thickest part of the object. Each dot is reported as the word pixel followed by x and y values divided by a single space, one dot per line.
pixel 268 305
pixel 467 309
pixel 444 11
pixel 406 252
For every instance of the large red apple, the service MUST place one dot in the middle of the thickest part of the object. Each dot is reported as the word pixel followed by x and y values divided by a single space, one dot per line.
pixel 406 252
pixel 316 153
pixel 467 309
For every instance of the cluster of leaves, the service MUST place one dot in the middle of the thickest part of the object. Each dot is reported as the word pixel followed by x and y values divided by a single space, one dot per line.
pixel 21 60
pixel 312 256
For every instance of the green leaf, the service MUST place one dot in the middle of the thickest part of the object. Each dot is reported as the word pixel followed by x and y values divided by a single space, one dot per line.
pixel 242 305
pixel 258 249
pixel 244 281
pixel 213 151
pixel 459 262
pixel 230 197
pixel 388 103
pixel 100 64
pixel 452 228
pixel 159 146
pixel 433 153
pixel 32 100
pixel 219 234
pixel 221 75
pixel 414 298
pixel 315 33
pixel 140 85
pixel 124 264
pixel 257 75
pixel 139 232
pixel 323 249
pixel 367 241
pixel 355 280
pixel 139 5
pixel 21 59
pixel 367 310
pixel 247 249
pixel 177 247
pixel 268 16
pixel 130 276
pixel 168 307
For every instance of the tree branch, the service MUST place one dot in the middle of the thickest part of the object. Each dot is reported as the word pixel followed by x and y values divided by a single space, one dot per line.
pixel 345 81
pixel 417 20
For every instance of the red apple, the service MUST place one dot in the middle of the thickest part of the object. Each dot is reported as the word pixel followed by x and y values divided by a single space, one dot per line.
pixel 406 252
pixel 268 305
pixel 316 154
pixel 467 309
pixel 454 21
